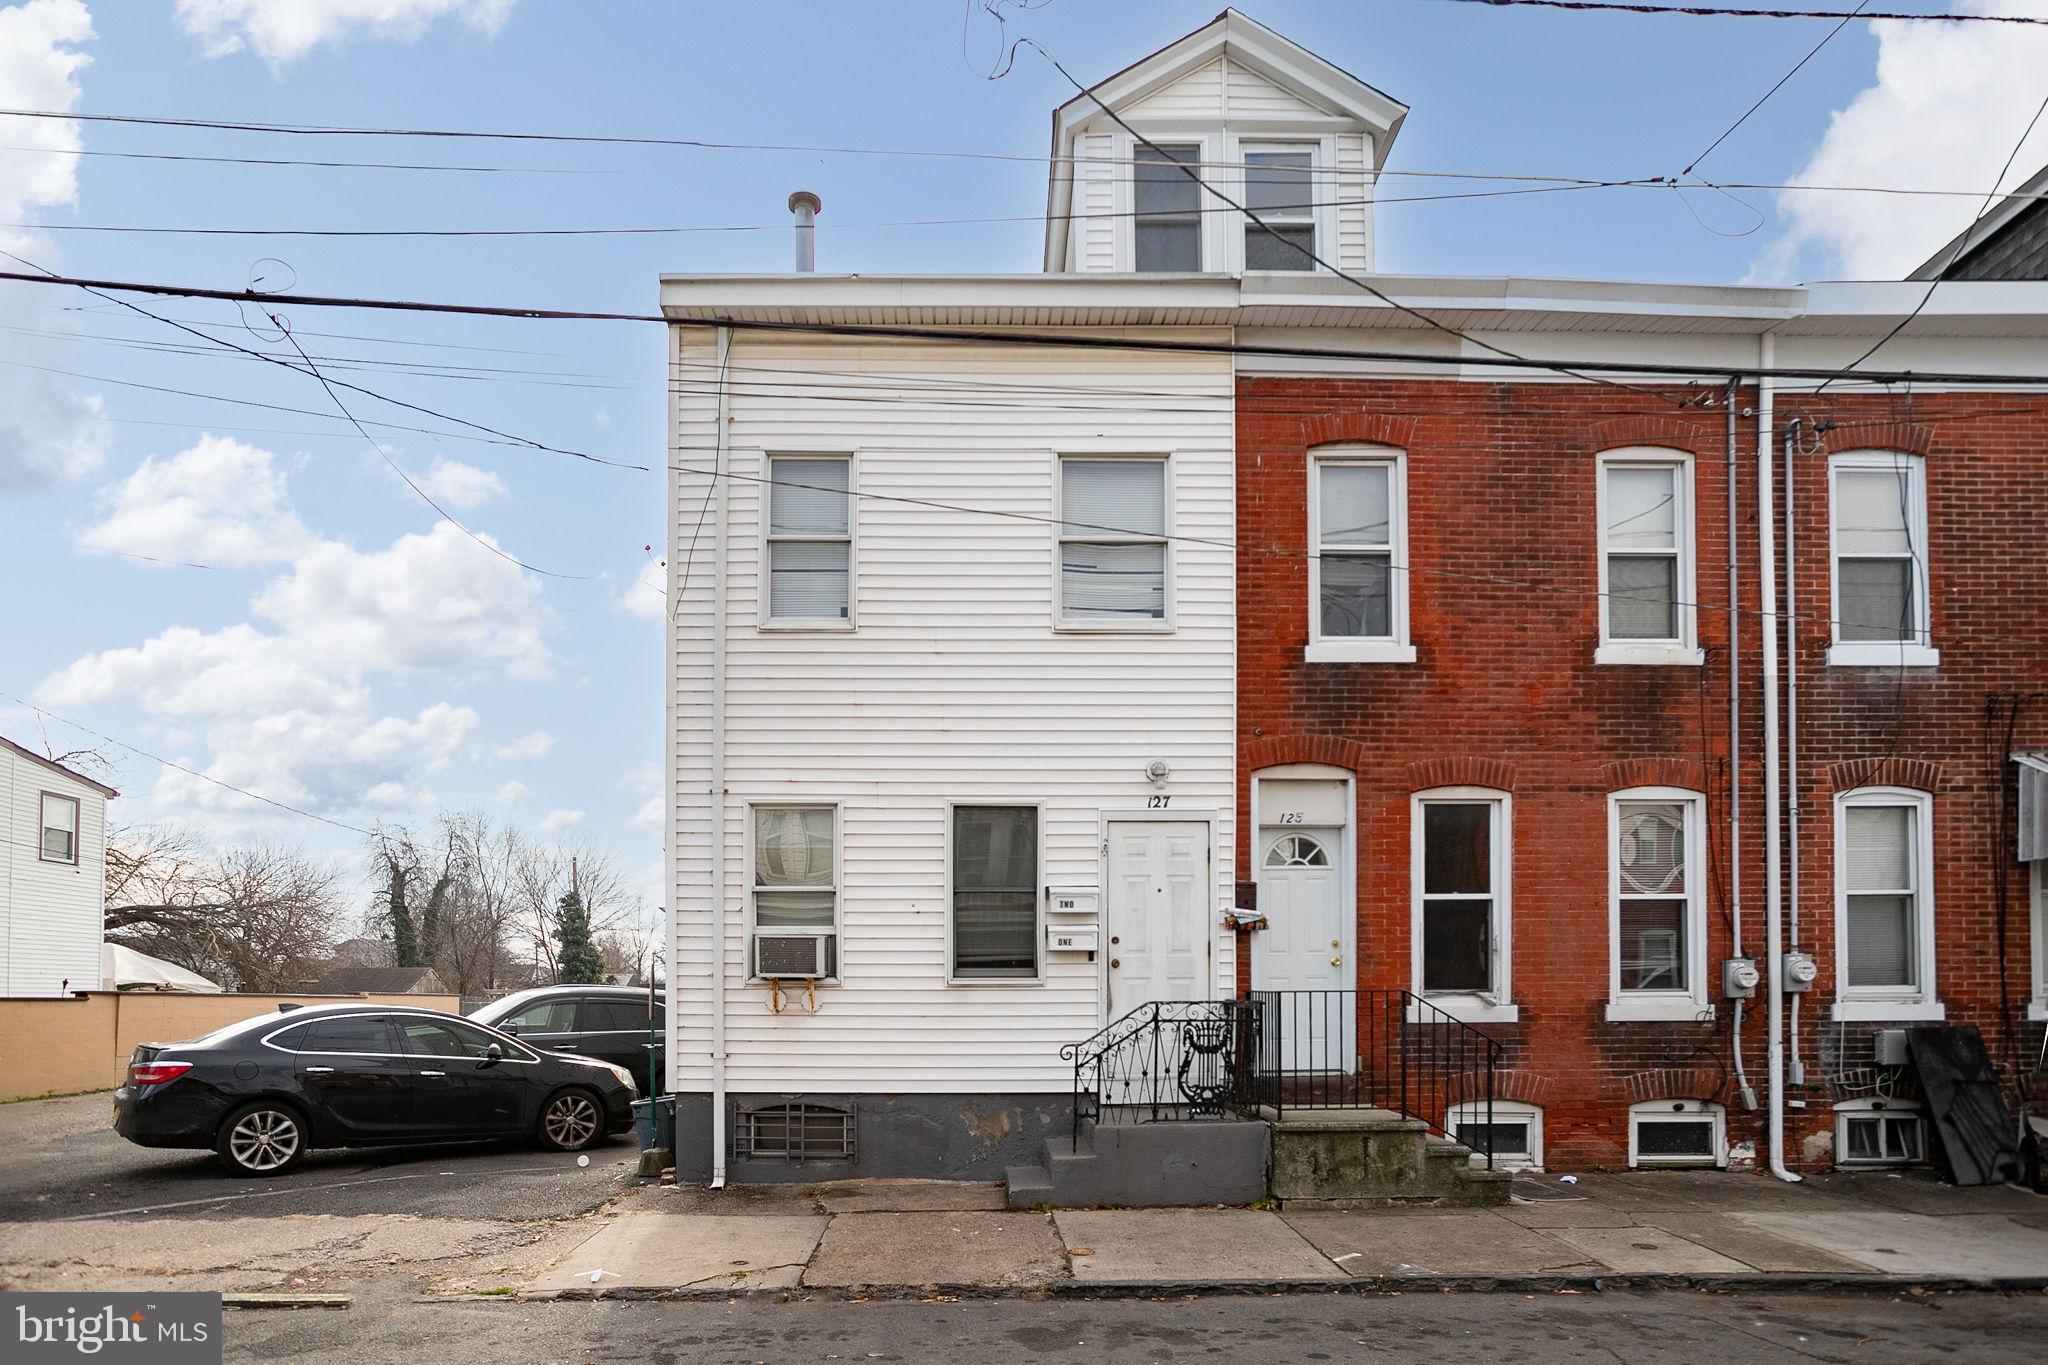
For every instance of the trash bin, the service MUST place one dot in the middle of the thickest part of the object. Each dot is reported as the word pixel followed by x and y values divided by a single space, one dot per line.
pixel 654 1121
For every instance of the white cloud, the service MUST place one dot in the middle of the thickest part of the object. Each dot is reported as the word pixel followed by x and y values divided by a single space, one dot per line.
pixel 560 819
pixel 647 595
pixel 532 744
pixel 1947 103
pixel 461 486
pixel 649 816
pixel 48 432
pixel 282 31
pixel 222 502
pixel 512 793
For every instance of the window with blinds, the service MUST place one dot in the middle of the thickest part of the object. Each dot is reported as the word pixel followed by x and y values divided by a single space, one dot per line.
pixel 995 893
pixel 1880 519
pixel 1881 897
pixel 810 540
pixel 796 878
pixel 60 828
pixel 1645 535
pixel 1113 547
pixel 1355 575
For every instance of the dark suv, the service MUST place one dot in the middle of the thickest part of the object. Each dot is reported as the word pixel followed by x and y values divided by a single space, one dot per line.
pixel 605 1023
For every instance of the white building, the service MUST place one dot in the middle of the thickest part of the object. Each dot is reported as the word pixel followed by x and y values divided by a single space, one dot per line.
pixel 52 875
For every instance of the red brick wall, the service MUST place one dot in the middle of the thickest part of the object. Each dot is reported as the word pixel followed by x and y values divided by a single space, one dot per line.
pixel 1504 613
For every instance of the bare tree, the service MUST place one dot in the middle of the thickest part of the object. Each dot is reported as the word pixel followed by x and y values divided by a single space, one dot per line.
pixel 257 918
pixel 543 874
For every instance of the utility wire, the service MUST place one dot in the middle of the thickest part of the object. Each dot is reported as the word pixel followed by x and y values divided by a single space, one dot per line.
pixel 1723 12
pixel 1776 87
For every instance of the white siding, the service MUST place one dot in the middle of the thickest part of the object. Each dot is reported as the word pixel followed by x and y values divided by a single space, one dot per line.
pixel 1094 234
pixel 1197 94
pixel 1354 212
pixel 954 687
pixel 50 913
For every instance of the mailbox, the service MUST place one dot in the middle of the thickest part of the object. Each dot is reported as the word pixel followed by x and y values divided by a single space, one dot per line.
pixel 1060 939
pixel 1071 900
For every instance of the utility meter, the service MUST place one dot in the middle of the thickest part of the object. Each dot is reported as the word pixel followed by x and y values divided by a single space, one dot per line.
pixel 1800 970
pixel 1739 978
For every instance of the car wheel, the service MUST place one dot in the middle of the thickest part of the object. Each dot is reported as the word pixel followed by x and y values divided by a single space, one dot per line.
pixel 261 1139
pixel 570 1121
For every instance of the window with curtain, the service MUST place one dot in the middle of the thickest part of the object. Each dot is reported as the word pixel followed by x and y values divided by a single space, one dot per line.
pixel 1644 547
pixel 995 892
pixel 1460 894
pixel 1279 186
pixel 1654 911
pixel 1881 897
pixel 810 539
pixel 1167 208
pixel 60 828
pixel 795 870
pixel 1112 540
pixel 1879 546
pixel 1356 511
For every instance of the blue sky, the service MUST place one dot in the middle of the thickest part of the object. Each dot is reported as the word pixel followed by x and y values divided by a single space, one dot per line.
pixel 346 654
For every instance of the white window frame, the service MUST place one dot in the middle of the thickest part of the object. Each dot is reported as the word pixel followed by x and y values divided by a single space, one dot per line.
pixel 837 930
pixel 1038 977
pixel 1504 1111
pixel 43 828
pixel 1683 649
pixel 1886 1003
pixel 1668 1108
pixel 1692 1003
pixel 1206 203
pixel 1918 652
pixel 1318 170
pixel 1395 648
pixel 2037 879
pixel 1167 492
pixel 1875 1108
pixel 1497 1005
pixel 767 621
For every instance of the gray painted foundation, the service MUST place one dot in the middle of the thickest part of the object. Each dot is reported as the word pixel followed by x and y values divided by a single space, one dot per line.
pixel 931 1137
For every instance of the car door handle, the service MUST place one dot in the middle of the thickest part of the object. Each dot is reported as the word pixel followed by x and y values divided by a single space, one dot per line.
pixel 433 1073
pixel 319 1070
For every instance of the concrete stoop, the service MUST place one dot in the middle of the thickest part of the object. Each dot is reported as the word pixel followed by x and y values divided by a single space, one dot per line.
pixel 1149 1165
pixel 1374 1158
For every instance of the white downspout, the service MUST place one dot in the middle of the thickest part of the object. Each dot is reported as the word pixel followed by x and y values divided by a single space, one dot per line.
pixel 1774 889
pixel 1744 1089
pixel 715 790
pixel 1796 1069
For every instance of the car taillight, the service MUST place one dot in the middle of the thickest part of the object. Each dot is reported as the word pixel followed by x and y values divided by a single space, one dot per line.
pixel 156 1073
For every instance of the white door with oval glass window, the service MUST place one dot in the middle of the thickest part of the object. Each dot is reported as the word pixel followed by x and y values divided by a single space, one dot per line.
pixel 1301 953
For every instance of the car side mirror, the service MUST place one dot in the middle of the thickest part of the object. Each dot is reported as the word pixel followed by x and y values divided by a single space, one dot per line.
pixel 512 1029
pixel 493 1054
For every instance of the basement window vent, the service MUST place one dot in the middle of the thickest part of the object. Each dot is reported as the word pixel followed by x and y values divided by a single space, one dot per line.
pixel 1879 1133
pixel 1514 1132
pixel 794 1132
pixel 1677 1133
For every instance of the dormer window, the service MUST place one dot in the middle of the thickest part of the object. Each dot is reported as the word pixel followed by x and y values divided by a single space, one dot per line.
pixel 1167 204
pixel 1279 187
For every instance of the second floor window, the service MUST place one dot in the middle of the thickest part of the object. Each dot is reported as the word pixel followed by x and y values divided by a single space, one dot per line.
pixel 60 829
pixel 1113 550
pixel 1880 526
pixel 1646 551
pixel 1279 186
pixel 1166 205
pixel 1359 588
pixel 810 540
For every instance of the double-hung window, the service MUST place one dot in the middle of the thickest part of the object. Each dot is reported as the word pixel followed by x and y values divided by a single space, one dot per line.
pixel 810 540
pixel 1884 906
pixel 796 888
pixel 1167 208
pixel 1879 509
pixel 1113 547
pixel 1646 559
pixel 1658 910
pixel 1279 186
pixel 1358 582
pixel 60 828
pixel 1460 873
pixel 995 893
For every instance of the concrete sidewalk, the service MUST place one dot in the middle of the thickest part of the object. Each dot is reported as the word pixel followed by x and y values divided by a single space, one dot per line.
pixel 1691 1228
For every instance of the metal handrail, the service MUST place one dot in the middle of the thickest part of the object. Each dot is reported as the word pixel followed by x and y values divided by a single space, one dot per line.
pixel 1166 1059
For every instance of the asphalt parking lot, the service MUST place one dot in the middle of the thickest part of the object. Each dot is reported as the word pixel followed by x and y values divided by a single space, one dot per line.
pixel 65 1163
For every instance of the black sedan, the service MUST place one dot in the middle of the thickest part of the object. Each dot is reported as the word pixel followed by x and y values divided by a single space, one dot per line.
pixel 262 1092
pixel 611 1023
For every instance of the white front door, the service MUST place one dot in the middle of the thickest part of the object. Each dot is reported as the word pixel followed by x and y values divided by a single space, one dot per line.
pixel 1301 951
pixel 1156 919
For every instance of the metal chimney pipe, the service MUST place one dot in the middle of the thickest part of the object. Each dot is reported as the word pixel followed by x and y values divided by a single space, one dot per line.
pixel 805 206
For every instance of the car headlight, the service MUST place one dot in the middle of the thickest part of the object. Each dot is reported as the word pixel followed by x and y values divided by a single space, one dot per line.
pixel 625 1076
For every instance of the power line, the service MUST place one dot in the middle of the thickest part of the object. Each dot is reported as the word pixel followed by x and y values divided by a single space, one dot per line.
pixel 1778 85
pixel 296 161
pixel 1720 12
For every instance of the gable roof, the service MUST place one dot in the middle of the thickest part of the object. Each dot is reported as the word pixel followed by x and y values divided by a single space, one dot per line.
pixel 1280 60
pixel 32 756
pixel 2028 201
pixel 380 981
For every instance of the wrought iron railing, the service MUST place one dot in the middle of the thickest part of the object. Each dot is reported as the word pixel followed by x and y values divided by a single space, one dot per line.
pixel 1277 1051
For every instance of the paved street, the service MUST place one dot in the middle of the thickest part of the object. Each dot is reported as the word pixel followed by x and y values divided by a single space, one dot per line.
pixel 1640 1329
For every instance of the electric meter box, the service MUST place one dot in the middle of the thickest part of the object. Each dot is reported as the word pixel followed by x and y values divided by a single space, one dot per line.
pixel 1739 978
pixel 1800 970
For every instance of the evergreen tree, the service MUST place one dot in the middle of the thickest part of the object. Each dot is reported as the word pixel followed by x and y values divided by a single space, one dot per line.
pixel 578 963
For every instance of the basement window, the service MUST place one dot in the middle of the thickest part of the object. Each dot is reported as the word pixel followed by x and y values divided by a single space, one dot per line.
pixel 1677 1133
pixel 1514 1132
pixel 1879 1133
pixel 794 1132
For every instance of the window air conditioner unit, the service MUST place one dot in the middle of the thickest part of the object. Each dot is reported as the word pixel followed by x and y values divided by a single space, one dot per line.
pixel 807 956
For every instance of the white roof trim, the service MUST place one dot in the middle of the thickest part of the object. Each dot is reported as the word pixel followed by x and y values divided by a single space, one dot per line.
pixel 1986 227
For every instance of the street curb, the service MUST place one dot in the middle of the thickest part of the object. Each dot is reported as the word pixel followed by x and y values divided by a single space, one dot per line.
pixel 1755 1282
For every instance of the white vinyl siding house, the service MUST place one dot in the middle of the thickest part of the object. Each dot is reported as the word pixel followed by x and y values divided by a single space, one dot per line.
pixel 52 876
pixel 959 685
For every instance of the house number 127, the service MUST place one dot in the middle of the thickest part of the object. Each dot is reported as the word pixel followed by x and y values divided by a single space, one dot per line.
pixel 1157 802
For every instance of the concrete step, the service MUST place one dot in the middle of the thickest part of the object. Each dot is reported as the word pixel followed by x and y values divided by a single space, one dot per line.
pixel 1029 1186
